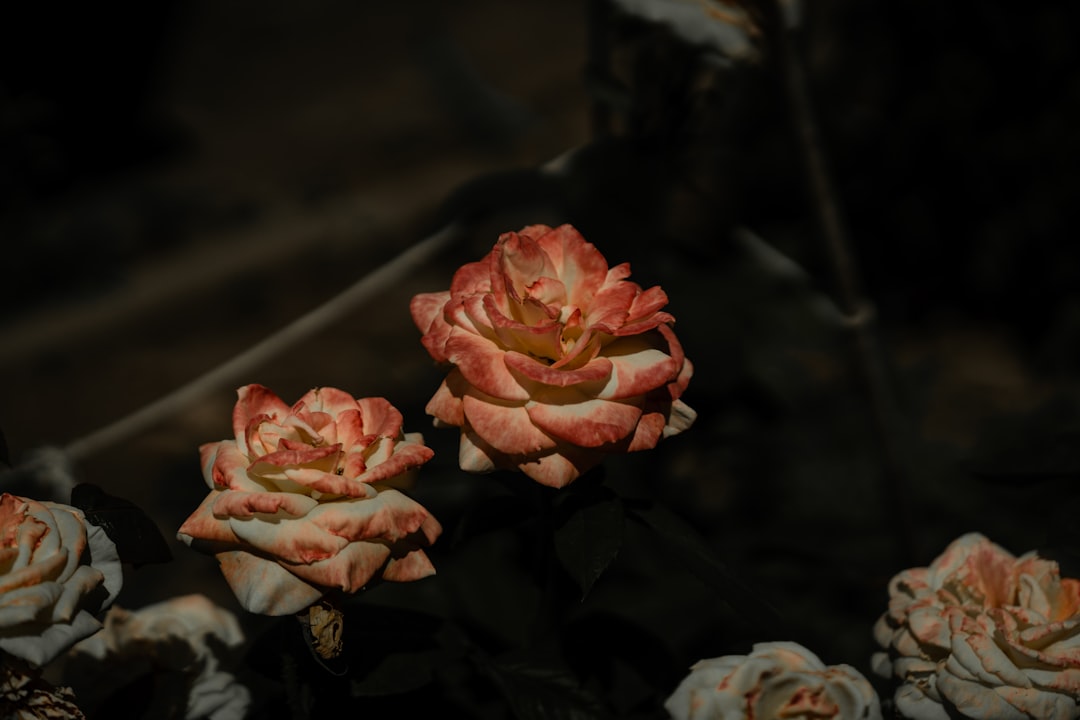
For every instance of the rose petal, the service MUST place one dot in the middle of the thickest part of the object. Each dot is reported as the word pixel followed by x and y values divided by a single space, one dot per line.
pixel 556 470
pixel 481 364
pixel 349 570
pixel 474 454
pixel 264 587
pixel 244 505
pixel 446 405
pixel 288 539
pixel 506 428
pixel 579 264
pixel 586 422
pixel 254 400
pixel 414 565
pixel 637 368
pixel 390 516
pixel 596 371
pixel 202 525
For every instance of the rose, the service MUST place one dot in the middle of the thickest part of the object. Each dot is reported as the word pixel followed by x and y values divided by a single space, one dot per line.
pixel 982 634
pixel 57 571
pixel 180 640
pixel 776 680
pixel 558 360
pixel 306 499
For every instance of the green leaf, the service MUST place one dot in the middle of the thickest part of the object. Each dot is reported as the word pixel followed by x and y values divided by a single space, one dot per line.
pixel 138 540
pixel 540 691
pixel 590 534
pixel 690 549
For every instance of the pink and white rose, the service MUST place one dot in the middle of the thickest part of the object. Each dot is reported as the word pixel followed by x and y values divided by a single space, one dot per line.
pixel 776 680
pixel 982 634
pixel 557 359
pixel 57 572
pixel 306 499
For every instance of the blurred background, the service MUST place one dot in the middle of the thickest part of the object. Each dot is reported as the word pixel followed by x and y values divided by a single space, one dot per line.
pixel 179 180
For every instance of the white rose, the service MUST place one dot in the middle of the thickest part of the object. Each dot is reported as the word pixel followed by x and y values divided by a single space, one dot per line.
pixel 57 571
pixel 776 680
pixel 982 634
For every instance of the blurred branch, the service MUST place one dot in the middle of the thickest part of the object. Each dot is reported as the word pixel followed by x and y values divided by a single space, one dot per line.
pixel 368 287
pixel 856 309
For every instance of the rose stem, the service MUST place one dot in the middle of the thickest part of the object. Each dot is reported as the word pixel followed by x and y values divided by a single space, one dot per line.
pixel 297 696
pixel 545 627
pixel 363 290
pixel 857 311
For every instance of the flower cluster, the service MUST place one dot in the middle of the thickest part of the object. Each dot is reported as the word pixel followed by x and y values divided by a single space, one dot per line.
pixel 557 359
pixel 982 634
pixel 307 498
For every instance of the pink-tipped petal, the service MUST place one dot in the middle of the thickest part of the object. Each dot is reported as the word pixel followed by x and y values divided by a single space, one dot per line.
pixel 506 428
pixel 597 370
pixel 446 404
pixel 637 369
pixel 556 470
pixel 649 431
pixel 381 418
pixel 255 400
pixel 203 525
pixel 406 456
pixel 481 364
pixel 390 516
pixel 244 505
pixel 589 423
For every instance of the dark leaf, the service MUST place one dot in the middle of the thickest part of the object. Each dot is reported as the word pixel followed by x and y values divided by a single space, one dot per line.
pixel 398 673
pixel 693 552
pixel 589 535
pixel 491 514
pixel 137 538
pixel 540 691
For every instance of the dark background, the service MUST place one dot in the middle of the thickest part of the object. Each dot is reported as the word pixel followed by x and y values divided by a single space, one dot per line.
pixel 178 180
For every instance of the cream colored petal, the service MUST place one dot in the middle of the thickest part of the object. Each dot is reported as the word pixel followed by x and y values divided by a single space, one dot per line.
pixel 105 558
pixel 264 587
pixel 75 588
